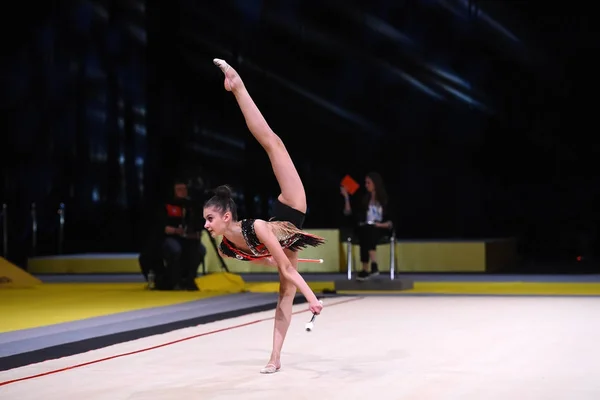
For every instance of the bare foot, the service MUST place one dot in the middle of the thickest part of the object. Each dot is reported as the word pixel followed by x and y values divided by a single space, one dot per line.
pixel 232 79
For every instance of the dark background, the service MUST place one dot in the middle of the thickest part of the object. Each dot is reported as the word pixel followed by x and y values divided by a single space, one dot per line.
pixel 480 116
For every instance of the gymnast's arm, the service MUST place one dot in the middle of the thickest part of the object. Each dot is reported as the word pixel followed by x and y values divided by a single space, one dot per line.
pixel 266 236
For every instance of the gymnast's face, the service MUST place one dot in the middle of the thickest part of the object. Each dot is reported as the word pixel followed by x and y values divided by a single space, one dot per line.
pixel 217 221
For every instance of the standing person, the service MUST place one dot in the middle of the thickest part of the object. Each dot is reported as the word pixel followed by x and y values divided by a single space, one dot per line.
pixel 275 242
pixel 372 214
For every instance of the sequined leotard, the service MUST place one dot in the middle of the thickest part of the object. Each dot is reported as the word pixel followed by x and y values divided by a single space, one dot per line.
pixel 288 235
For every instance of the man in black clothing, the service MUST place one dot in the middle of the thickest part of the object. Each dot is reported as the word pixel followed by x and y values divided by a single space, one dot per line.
pixel 182 250
pixel 177 256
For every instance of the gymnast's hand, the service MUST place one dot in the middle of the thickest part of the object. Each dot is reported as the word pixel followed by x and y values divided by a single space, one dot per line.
pixel 316 307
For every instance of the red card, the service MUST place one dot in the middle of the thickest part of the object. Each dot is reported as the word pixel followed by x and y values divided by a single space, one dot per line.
pixel 350 184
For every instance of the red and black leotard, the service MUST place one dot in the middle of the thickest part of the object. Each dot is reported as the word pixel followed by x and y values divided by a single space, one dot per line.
pixel 288 235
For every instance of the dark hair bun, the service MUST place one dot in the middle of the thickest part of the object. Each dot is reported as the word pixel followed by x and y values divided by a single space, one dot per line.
pixel 223 192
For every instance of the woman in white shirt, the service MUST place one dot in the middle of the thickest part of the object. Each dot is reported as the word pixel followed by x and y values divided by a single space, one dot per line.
pixel 373 217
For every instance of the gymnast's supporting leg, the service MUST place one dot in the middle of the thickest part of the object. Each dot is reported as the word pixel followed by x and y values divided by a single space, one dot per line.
pixel 283 318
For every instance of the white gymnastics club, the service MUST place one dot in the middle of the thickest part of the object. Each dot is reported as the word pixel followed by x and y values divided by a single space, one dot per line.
pixel 311 324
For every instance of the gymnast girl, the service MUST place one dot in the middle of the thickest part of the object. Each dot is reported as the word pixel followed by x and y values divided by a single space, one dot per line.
pixel 275 242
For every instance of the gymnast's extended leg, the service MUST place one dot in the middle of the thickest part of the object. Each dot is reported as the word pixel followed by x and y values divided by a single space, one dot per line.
pixel 292 189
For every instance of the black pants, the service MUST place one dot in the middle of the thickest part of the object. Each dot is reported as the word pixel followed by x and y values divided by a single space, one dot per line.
pixel 368 238
pixel 182 257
